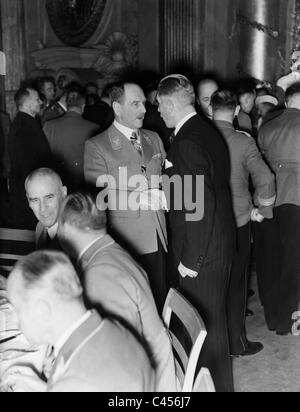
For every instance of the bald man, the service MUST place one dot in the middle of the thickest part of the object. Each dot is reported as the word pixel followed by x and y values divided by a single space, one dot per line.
pixel 45 193
pixel 90 354
pixel 206 88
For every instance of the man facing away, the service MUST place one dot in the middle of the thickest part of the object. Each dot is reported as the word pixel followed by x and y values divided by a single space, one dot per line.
pixel 203 246
pixel 279 141
pixel 246 161
pixel 113 282
pixel 91 354
pixel 129 159
pixel 45 194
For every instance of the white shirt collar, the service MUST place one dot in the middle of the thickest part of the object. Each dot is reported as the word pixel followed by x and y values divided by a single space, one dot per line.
pixel 183 121
pixel 126 131
pixel 88 246
pixel 62 106
pixel 61 342
pixel 52 231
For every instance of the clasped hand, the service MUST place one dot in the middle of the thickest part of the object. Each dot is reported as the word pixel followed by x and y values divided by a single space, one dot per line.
pixel 153 199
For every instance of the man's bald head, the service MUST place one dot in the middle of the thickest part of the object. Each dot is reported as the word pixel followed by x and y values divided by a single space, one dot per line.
pixel 206 88
pixel 45 193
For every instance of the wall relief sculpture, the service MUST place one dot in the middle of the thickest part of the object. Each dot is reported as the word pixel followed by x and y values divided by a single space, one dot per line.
pixel 110 59
pixel 75 21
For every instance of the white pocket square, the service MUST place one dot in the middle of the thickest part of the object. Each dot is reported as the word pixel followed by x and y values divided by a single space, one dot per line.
pixel 168 164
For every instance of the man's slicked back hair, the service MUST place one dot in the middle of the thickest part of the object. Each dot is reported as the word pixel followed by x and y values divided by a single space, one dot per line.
pixel 224 100
pixel 177 84
pixel 80 210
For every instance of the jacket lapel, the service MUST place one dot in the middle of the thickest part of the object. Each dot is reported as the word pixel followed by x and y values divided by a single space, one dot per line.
pixel 147 146
pixel 120 143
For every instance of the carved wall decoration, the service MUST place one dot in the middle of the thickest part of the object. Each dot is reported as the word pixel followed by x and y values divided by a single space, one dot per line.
pixel 117 54
pixel 75 21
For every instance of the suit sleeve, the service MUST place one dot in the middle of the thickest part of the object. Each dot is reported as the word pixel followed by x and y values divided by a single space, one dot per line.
pixel 94 163
pixel 194 163
pixel 263 179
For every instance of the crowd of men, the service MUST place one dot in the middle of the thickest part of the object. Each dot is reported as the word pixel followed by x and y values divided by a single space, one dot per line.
pixel 97 182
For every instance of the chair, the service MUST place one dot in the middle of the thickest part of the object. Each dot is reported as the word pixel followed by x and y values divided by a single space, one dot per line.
pixel 14 244
pixel 178 310
pixel 204 382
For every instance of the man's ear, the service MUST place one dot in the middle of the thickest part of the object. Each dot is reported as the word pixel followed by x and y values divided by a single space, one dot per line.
pixel 116 108
pixel 170 105
pixel 64 191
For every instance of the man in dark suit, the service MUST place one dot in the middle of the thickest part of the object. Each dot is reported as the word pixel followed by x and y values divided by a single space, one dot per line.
pixel 132 158
pixel 67 136
pixel 204 244
pixel 28 150
pixel 45 194
pixel 90 354
pixel 114 283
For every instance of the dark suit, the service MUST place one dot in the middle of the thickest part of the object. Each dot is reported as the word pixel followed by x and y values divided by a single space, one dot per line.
pixel 28 150
pixel 206 246
pixel 43 240
pixel 67 136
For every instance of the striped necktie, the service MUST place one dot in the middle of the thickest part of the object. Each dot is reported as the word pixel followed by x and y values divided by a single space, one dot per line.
pixel 135 140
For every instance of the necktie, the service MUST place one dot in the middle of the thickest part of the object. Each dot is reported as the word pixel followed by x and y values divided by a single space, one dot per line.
pixel 136 142
pixel 172 138
pixel 49 362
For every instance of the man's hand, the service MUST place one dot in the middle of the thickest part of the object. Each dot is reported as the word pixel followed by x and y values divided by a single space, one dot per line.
pixel 153 199
pixel 185 272
pixel 22 379
pixel 256 216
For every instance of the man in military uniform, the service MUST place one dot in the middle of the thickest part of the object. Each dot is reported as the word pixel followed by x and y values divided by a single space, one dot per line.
pixel 127 153
pixel 245 161
pixel 279 140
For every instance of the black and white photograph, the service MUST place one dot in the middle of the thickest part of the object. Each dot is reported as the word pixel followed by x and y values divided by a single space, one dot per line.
pixel 149 198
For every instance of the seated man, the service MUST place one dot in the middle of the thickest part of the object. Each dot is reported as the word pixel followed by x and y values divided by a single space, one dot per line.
pixel 45 193
pixel 91 354
pixel 114 282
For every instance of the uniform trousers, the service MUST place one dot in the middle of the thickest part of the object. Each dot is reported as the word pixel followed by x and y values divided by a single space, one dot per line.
pixel 237 292
pixel 282 272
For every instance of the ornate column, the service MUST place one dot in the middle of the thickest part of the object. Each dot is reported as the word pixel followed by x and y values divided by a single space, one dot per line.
pixel 259 21
pixel 177 33
pixel 12 20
